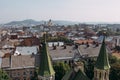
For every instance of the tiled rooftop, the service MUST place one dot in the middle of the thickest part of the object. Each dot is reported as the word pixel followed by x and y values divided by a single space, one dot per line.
pixel 21 61
pixel 62 53
pixel 91 51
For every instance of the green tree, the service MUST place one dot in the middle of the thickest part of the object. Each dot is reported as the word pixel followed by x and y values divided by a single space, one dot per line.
pixel 103 32
pixel 35 77
pixel 89 68
pixel 115 71
pixel 60 69
pixel 115 68
pixel 3 75
pixel 112 59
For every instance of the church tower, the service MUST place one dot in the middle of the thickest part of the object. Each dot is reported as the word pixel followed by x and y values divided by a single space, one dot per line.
pixel 102 67
pixel 46 71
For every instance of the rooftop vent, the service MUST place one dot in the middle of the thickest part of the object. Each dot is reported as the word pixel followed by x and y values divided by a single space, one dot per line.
pixel 96 45
pixel 76 46
pixel 58 44
pixel 65 46
pixel 54 47
pixel 87 44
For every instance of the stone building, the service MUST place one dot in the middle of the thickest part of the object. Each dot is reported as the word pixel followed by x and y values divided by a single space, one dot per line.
pixel 20 67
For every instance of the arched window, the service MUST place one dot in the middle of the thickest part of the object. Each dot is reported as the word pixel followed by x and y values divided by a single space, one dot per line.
pixel 100 75
pixel 95 73
pixel 105 75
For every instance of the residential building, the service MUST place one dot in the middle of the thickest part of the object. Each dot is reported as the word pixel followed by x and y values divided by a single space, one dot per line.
pixel 20 67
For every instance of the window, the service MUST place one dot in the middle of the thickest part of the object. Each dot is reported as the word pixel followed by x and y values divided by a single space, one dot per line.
pixel 105 75
pixel 14 74
pixel 24 78
pixel 18 74
pixel 24 73
pixel 31 72
pixel 100 75
pixel 95 73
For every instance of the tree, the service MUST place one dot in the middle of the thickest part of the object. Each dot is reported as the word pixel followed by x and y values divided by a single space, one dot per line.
pixel 117 48
pixel 3 75
pixel 112 59
pixel 35 77
pixel 117 30
pixel 115 68
pixel 60 69
pixel 89 68
pixel 103 32
pixel 115 71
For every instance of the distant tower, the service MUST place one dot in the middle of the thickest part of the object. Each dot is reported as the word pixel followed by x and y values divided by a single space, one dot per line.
pixel 49 23
pixel 46 71
pixel 102 67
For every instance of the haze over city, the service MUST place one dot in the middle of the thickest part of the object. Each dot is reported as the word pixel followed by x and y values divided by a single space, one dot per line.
pixel 72 10
pixel 59 40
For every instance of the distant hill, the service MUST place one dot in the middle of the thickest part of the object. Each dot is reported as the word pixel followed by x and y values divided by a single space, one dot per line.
pixel 30 22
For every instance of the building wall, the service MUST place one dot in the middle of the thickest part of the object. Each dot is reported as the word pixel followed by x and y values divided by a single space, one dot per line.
pixel 101 74
pixel 21 74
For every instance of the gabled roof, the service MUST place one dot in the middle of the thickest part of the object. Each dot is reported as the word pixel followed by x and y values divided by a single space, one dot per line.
pixel 67 75
pixel 20 62
pixel 102 60
pixel 80 76
pixel 45 68
pixel 72 75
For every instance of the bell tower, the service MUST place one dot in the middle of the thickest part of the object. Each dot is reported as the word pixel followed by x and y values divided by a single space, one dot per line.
pixel 102 67
pixel 46 71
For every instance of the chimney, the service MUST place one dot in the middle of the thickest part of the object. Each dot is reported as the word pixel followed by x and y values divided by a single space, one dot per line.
pixel 94 42
pixel 65 46
pixel 54 47
pixel 58 44
pixel 87 44
pixel 82 43
pixel 76 46
pixel 10 60
pixel 32 55
pixel 96 45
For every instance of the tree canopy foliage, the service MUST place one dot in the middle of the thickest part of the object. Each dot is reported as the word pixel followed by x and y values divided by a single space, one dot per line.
pixel 60 69
pixel 115 68
pixel 89 68
pixel 49 38
pixel 3 75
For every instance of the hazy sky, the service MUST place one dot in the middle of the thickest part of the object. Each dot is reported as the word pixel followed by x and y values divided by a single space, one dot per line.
pixel 73 10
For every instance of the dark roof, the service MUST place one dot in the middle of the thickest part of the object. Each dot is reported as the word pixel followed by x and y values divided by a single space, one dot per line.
pixel 91 51
pixel 68 75
pixel 80 76
pixel 72 75
pixel 18 62
pixel 60 53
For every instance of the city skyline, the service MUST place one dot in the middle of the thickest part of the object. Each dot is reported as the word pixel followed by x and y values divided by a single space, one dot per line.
pixel 70 10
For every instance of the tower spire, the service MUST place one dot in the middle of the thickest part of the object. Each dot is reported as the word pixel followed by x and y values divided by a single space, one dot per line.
pixel 46 70
pixel 102 60
pixel 102 67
